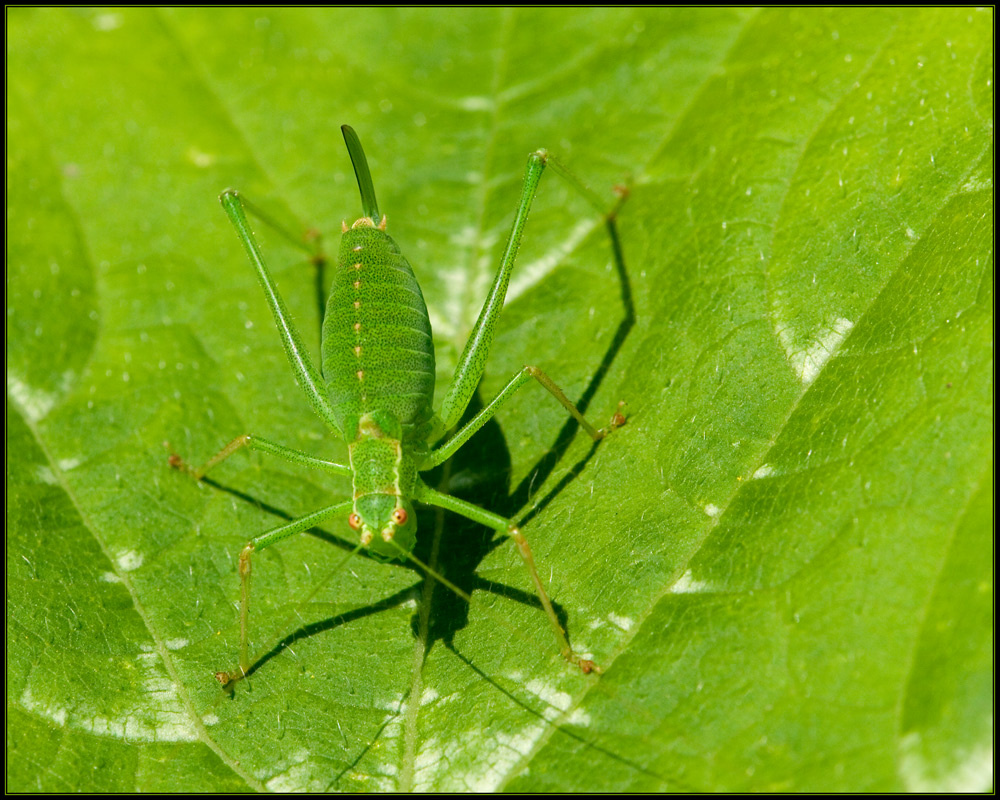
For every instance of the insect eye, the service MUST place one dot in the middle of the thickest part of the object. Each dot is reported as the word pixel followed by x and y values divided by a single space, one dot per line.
pixel 399 516
pixel 354 521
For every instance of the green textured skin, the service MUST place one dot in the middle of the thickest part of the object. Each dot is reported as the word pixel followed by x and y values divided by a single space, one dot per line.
pixel 378 364
pixel 376 305
pixel 384 478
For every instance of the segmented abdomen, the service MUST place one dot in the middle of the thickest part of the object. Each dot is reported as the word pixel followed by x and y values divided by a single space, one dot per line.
pixel 378 355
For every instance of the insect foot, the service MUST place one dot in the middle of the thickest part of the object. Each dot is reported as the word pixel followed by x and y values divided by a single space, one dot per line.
pixel 229 679
pixel 618 418
pixel 239 442
pixel 178 463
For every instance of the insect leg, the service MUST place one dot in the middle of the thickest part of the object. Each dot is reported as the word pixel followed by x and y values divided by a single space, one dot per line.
pixel 588 194
pixel 261 542
pixel 264 446
pixel 477 348
pixel 473 360
pixel 306 372
pixel 434 498
pixel 309 243
pixel 446 451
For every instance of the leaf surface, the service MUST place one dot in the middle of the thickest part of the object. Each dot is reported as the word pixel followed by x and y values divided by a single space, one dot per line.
pixel 782 561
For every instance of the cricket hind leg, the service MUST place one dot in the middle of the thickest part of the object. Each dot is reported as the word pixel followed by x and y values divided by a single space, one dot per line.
pixel 472 362
pixel 308 376
pixel 310 242
pixel 522 493
pixel 473 359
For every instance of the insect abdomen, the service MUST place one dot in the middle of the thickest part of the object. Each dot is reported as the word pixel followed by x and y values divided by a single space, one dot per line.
pixel 378 355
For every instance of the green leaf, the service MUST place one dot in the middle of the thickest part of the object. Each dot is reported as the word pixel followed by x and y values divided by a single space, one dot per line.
pixel 783 561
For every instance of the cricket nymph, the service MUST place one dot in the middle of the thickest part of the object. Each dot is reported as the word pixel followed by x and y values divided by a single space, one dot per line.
pixel 376 392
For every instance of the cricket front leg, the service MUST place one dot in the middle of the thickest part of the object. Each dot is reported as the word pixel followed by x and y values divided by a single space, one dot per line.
pixel 262 542
pixel 498 523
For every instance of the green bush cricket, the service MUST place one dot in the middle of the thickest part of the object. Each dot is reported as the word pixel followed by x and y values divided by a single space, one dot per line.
pixel 376 391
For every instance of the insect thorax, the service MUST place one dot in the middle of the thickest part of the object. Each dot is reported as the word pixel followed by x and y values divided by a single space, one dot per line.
pixel 384 479
pixel 378 356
